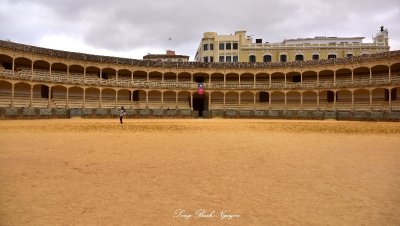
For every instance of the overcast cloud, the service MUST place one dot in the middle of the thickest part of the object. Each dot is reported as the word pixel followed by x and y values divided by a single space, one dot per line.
pixel 133 28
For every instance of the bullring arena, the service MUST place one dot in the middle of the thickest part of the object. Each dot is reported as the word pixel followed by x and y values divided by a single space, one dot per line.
pixel 38 82
pixel 181 158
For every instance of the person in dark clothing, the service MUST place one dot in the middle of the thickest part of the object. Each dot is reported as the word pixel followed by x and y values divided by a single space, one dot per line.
pixel 121 114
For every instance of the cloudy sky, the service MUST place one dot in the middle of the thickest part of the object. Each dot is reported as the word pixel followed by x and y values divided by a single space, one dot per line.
pixel 133 28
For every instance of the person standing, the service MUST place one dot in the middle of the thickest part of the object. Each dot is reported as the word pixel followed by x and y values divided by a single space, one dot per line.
pixel 121 114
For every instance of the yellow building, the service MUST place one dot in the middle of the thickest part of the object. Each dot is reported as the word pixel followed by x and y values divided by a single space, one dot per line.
pixel 241 48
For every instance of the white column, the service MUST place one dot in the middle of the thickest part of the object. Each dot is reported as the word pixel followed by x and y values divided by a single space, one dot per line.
pixel 352 76
pixel 50 70
pixel 116 75
pixel 390 75
pixel 318 100
pixel 131 76
pixel 209 101
pixel 318 79
pixel 269 101
pixel 285 84
pixel 352 100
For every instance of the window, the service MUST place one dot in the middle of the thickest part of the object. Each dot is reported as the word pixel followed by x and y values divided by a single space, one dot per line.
pixel 299 57
pixel 221 59
pixel 221 46
pixel 252 58
pixel 283 58
pixel 331 56
pixel 330 96
pixel 228 46
pixel 211 59
pixel 205 47
pixel 228 59
pixel 235 45
pixel 235 59
pixel 267 58
pixel 205 59
pixel 349 55
pixel 315 57
pixel 211 46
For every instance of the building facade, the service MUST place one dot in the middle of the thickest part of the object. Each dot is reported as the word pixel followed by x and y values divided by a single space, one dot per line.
pixel 169 56
pixel 241 48
pixel 39 82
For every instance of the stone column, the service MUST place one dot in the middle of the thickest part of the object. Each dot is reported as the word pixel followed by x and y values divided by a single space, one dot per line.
pixel 224 83
pixel 101 74
pixel 13 67
pixel 147 76
pixel 131 76
pixel 50 70
pixel 31 97
pixel 390 75
pixel 285 84
pixel 116 76
pixel 370 100
pixel 285 96
pixel 240 99
pixel 147 99
pixel 32 70
pixel 84 98
pixel 334 100
pixel 318 79
pixel 390 100
pixel 67 72
pixel 162 100
pixel 269 101
pixel 12 94
pixel 334 78
pixel 224 101
pixel 67 98
pixel 352 76
pixel 100 98
pixel 131 98
pixel 176 100
pixel 84 74
pixel 370 75
pixel 191 101
pixel 209 101
pixel 301 101
pixel 270 80
pixel 318 100
pixel 352 100
pixel 116 98
pixel 301 79
pixel 254 101
pixel 49 99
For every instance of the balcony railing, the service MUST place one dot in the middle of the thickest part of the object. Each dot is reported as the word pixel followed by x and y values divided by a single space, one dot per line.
pixel 340 83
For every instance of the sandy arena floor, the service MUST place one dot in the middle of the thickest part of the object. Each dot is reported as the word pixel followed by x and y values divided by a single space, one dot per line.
pixel 199 172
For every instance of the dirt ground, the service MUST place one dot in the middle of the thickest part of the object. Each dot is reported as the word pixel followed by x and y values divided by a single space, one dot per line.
pixel 199 172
